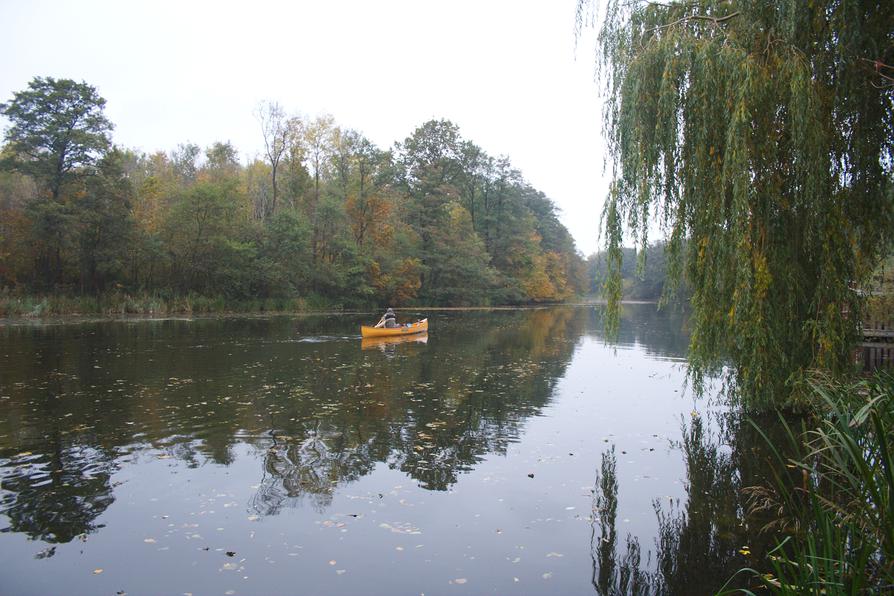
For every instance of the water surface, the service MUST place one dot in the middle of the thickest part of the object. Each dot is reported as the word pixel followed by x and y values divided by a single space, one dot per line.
pixel 507 452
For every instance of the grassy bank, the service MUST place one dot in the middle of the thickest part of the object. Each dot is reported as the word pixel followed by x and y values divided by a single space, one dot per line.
pixel 832 499
pixel 119 304
pixel 13 306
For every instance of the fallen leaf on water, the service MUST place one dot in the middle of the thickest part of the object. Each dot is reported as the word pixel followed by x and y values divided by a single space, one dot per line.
pixel 460 581
pixel 340 571
pixel 97 571
pixel 149 540
pixel 554 554
pixel 547 575
pixel 332 562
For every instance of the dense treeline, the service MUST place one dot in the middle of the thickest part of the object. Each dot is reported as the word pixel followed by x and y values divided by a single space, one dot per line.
pixel 643 274
pixel 324 215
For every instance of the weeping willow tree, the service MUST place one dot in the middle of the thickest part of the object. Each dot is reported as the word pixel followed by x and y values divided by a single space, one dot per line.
pixel 758 134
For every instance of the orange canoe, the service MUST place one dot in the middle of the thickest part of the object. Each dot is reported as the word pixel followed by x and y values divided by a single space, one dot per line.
pixel 417 327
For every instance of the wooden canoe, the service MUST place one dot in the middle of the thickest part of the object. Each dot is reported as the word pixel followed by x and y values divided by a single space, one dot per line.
pixel 417 327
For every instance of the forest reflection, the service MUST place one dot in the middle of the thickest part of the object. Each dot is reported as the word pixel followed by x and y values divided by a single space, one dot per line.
pixel 709 535
pixel 319 412
pixel 81 400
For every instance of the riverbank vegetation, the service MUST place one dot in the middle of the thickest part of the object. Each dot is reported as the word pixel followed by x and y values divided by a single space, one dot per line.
pixel 324 218
pixel 118 304
pixel 759 136
pixel 827 502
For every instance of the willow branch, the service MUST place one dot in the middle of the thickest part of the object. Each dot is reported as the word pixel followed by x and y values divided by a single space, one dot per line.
pixel 696 17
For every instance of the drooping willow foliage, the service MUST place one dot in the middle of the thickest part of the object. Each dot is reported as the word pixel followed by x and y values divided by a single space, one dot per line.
pixel 759 134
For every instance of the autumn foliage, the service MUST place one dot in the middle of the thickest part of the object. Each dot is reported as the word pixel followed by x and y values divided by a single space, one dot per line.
pixel 323 215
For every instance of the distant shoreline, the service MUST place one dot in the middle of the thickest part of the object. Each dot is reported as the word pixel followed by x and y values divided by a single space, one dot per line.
pixel 60 309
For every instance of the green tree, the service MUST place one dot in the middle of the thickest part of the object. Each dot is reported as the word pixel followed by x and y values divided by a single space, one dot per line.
pixel 427 172
pixel 317 139
pixel 761 134
pixel 460 272
pixel 105 224
pixel 58 129
pixel 205 235
pixel 285 254
pixel 15 260
pixel 57 135
pixel 184 160
pixel 222 160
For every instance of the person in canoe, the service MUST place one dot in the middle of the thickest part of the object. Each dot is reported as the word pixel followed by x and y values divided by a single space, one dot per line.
pixel 388 321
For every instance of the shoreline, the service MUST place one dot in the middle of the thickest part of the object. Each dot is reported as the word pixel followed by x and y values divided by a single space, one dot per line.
pixel 110 316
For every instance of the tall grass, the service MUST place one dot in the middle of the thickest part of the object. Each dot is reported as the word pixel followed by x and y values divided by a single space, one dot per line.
pixel 831 503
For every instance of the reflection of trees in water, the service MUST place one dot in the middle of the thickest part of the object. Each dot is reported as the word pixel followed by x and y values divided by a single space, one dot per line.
pixel 197 388
pixel 432 411
pixel 308 468
pixel 56 481
pixel 612 576
pixel 698 541
pixel 57 494
pixel 660 332
pixel 431 420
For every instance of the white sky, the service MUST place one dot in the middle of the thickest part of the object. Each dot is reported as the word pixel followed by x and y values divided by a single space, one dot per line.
pixel 507 72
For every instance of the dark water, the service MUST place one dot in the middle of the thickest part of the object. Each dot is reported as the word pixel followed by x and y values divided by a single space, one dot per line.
pixel 512 452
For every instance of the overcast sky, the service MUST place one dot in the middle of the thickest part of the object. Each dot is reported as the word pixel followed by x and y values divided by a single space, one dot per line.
pixel 507 72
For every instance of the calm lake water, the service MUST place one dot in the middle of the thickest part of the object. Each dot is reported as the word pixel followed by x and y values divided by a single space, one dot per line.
pixel 510 452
